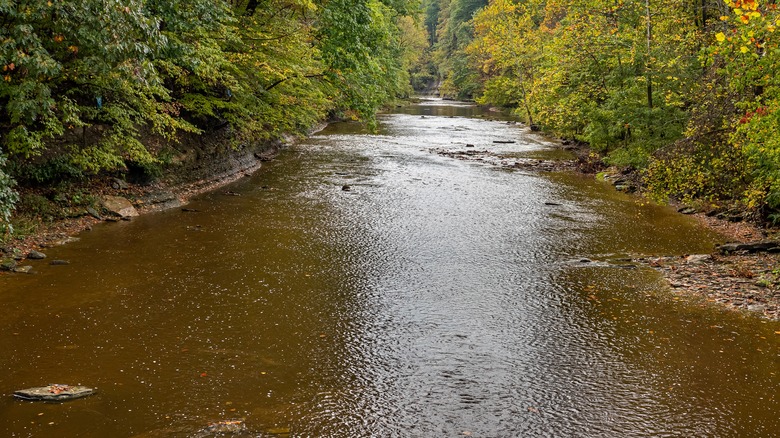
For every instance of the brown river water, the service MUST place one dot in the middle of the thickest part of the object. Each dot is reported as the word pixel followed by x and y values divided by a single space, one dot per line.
pixel 435 298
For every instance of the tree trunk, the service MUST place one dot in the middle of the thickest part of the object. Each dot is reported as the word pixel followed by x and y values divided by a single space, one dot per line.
pixel 649 76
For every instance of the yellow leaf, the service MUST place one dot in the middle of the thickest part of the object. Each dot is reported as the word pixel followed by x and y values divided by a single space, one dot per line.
pixel 743 49
pixel 720 36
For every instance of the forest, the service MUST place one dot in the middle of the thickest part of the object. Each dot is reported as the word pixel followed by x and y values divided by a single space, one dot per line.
pixel 682 92
pixel 94 86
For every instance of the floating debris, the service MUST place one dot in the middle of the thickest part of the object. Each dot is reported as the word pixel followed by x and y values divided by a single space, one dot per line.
pixel 54 392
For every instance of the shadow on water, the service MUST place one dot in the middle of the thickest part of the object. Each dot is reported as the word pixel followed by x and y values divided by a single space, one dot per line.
pixel 435 297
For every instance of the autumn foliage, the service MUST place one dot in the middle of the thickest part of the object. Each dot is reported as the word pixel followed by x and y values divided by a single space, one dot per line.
pixel 687 92
pixel 86 84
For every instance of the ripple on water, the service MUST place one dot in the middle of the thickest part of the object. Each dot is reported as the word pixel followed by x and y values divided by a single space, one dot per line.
pixel 435 298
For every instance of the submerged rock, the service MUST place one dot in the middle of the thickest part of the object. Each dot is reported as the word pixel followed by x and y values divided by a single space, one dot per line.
pixel 224 428
pixel 23 269
pixel 54 393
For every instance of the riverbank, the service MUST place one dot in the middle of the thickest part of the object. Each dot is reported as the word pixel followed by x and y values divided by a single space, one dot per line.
pixel 201 168
pixel 740 281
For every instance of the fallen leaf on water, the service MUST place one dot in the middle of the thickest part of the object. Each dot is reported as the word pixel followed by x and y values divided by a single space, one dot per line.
pixel 203 374
pixel 533 409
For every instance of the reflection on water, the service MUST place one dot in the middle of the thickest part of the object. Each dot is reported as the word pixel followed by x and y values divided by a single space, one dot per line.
pixel 434 298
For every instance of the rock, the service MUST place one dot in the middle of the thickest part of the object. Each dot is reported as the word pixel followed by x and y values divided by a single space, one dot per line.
pixel 504 141
pixel 7 265
pixel 59 262
pixel 346 188
pixel 227 427
pixel 694 259
pixel 36 255
pixel 65 241
pixel 731 216
pixel 159 197
pixel 119 206
pixel 118 184
pixel 162 200
pixel 469 145
pixel 94 213
pixel 626 188
pixel 555 204
pixel 687 210
pixel 756 307
pixel 750 247
pixel 54 392
pixel 23 269
pixel 267 156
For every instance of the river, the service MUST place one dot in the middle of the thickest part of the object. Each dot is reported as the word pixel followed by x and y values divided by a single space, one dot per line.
pixel 434 298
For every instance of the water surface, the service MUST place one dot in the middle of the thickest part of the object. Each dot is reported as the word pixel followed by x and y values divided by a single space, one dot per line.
pixel 435 297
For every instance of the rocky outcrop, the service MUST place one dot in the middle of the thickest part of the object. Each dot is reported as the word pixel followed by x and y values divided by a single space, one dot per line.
pixel 764 246
pixel 118 206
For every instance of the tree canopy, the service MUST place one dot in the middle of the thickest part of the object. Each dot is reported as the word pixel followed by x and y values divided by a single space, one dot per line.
pixel 89 82
pixel 685 91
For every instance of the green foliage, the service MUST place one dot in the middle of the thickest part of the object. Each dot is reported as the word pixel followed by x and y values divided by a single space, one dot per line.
pixel 455 31
pixel 8 198
pixel 99 85
pixel 712 171
pixel 747 52
pixel 632 78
